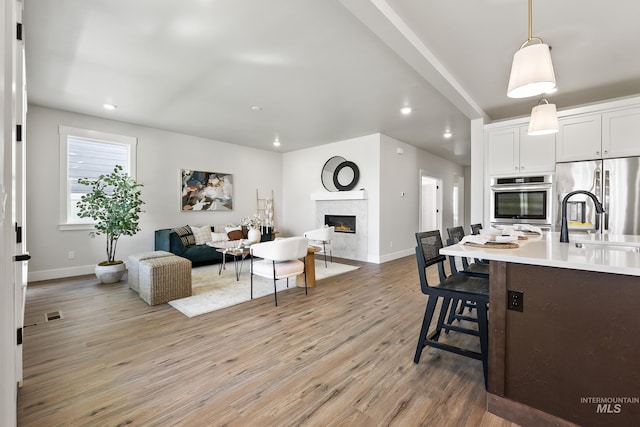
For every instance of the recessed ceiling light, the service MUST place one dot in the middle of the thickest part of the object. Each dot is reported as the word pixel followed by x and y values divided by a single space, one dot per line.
pixel 447 134
pixel 109 107
pixel 276 142
pixel 256 108
pixel 406 110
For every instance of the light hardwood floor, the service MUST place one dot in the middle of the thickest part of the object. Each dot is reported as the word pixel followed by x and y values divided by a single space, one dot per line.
pixel 343 355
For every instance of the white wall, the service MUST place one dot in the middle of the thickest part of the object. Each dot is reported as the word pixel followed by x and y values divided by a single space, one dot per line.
pixel 400 214
pixel 467 199
pixel 384 174
pixel 477 182
pixel 440 168
pixel 301 177
pixel 161 155
pixel 293 176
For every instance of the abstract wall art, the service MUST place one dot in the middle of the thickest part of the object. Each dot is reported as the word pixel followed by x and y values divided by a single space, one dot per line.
pixel 206 191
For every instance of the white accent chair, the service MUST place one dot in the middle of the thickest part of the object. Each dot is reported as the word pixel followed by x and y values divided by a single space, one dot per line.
pixel 322 236
pixel 281 258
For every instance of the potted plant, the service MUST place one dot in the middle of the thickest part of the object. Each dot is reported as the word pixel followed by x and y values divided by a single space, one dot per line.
pixel 114 204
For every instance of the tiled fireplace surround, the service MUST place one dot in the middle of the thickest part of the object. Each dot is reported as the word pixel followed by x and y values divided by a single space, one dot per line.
pixel 346 245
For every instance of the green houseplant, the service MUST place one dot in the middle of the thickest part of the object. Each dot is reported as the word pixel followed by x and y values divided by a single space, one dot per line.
pixel 114 203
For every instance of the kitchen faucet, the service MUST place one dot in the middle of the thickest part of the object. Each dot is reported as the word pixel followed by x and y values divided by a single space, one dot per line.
pixel 564 231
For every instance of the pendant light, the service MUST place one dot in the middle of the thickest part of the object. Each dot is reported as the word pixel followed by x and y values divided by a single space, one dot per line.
pixel 532 70
pixel 544 118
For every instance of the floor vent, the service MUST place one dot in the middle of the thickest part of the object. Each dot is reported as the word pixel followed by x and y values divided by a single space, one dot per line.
pixel 53 315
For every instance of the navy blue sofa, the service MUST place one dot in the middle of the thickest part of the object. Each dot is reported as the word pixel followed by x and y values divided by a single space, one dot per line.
pixel 167 240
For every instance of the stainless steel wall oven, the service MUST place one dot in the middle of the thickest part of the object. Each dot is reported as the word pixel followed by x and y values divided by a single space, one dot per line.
pixel 522 200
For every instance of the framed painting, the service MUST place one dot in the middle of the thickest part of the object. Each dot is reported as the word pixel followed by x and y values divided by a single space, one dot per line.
pixel 206 191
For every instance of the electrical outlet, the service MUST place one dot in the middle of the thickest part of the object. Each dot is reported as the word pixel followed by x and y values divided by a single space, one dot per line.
pixel 515 300
pixel 72 255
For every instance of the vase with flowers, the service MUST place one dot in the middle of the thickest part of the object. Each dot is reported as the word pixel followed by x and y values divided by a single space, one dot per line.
pixel 253 223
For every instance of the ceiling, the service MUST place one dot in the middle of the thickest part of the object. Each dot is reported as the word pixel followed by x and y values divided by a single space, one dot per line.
pixel 320 70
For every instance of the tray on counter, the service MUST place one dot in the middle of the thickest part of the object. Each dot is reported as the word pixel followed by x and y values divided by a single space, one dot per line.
pixel 494 245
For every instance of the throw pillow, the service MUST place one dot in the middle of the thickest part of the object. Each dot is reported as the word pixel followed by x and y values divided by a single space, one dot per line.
pixel 219 237
pixel 235 234
pixel 186 235
pixel 229 228
pixel 202 235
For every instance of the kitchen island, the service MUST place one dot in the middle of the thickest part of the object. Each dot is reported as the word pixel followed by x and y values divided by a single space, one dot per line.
pixel 564 330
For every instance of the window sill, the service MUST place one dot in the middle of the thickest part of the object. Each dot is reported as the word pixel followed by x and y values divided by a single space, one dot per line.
pixel 75 227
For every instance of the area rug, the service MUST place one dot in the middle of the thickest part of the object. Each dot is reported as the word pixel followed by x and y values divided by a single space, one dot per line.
pixel 212 291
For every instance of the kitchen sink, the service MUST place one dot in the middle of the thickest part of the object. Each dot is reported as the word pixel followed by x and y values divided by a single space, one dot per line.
pixel 612 245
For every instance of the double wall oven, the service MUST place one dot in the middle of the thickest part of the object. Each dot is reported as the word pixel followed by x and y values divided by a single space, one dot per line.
pixel 522 200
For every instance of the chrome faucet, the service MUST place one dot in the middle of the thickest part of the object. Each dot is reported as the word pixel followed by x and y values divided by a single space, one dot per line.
pixel 564 231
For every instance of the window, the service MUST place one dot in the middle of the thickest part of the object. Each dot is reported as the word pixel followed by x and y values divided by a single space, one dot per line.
pixel 88 154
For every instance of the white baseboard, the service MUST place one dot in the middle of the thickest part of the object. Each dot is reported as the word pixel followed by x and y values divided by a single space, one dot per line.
pixel 36 276
pixel 60 273
pixel 396 255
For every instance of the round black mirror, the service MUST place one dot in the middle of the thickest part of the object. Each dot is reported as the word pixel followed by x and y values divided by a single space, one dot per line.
pixel 327 172
pixel 339 174
pixel 346 176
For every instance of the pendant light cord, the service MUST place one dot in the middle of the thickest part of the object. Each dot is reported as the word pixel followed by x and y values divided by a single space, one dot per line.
pixel 531 38
pixel 530 19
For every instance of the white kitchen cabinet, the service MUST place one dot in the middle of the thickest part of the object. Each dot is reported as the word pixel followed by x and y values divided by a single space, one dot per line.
pixel 597 136
pixel 621 133
pixel 579 138
pixel 513 152
pixel 504 152
pixel 537 152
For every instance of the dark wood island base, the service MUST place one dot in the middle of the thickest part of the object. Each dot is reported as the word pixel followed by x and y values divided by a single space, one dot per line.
pixel 572 355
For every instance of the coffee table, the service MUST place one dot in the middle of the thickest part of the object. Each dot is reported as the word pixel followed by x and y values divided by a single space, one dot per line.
pixel 241 253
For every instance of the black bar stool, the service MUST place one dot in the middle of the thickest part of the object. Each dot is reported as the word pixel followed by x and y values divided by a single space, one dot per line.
pixel 462 287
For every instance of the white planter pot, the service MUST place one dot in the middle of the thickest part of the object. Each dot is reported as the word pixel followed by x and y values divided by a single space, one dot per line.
pixel 110 273
pixel 253 235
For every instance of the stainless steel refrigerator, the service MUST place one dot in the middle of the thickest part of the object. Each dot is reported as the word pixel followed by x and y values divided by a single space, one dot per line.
pixel 616 184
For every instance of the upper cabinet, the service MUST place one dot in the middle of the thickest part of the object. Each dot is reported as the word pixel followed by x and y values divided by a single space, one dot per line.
pixel 537 153
pixel 511 151
pixel 621 133
pixel 504 151
pixel 595 136
pixel 579 138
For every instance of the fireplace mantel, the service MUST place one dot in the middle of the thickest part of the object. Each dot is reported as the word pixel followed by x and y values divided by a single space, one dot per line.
pixel 339 195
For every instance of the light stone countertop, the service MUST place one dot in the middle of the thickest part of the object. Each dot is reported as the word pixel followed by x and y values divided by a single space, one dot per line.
pixel 616 254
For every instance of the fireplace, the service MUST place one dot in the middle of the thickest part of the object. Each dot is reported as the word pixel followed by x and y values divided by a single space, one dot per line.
pixel 342 223
pixel 349 245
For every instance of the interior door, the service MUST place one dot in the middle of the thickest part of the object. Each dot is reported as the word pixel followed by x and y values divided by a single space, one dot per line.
pixel 21 256
pixel 430 203
pixel 11 208
pixel 458 201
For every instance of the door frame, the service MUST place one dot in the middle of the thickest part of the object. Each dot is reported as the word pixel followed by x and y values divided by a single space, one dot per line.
pixel 8 379
pixel 424 176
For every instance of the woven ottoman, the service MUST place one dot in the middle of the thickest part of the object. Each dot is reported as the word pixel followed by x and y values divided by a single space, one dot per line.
pixel 133 265
pixel 164 279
